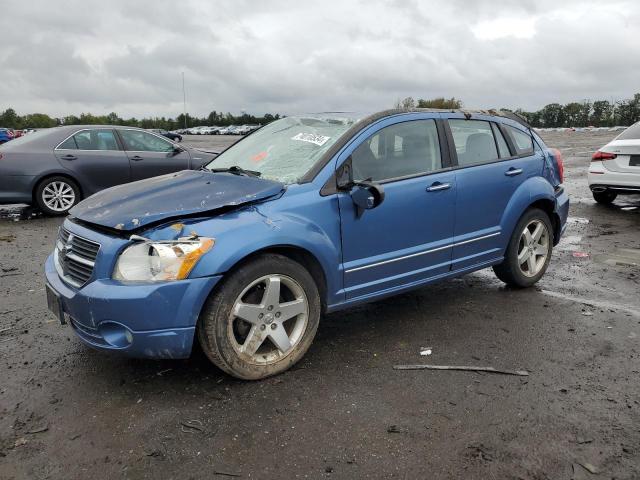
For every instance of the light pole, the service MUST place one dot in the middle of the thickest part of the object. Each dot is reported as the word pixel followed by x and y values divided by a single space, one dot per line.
pixel 184 103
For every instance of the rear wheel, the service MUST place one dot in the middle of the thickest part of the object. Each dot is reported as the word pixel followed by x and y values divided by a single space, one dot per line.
pixel 605 198
pixel 56 195
pixel 529 251
pixel 262 319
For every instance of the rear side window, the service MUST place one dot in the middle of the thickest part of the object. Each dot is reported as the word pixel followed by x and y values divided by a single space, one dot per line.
pixel 400 150
pixel 631 133
pixel 68 144
pixel 474 142
pixel 522 141
pixel 98 139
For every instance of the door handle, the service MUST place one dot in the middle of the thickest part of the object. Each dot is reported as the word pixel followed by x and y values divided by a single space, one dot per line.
pixel 69 157
pixel 137 158
pixel 512 172
pixel 437 186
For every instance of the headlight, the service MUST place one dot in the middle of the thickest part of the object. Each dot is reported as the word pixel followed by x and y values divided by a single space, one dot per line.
pixel 160 261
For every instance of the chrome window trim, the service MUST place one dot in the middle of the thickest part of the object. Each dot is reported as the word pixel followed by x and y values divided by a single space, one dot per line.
pixel 57 147
pixel 425 252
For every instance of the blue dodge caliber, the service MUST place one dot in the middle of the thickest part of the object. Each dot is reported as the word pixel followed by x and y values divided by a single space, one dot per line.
pixel 309 214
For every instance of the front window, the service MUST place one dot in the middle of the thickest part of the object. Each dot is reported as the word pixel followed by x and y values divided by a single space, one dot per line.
pixel 285 150
pixel 140 141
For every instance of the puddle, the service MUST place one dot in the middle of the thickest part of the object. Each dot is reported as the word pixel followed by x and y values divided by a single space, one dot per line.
pixel 594 303
pixel 623 256
pixel 578 220
pixel 569 243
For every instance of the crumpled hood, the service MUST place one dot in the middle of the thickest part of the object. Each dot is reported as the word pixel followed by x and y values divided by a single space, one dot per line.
pixel 134 205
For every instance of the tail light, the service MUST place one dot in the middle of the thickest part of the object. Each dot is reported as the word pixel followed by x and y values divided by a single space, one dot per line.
pixel 559 163
pixel 599 156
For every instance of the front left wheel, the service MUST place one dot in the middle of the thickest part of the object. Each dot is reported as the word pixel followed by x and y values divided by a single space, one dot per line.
pixel 262 319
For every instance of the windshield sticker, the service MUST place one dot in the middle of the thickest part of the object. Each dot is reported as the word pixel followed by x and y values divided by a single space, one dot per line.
pixel 258 157
pixel 311 138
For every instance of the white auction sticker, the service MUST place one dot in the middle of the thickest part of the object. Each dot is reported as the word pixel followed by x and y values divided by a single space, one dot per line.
pixel 311 138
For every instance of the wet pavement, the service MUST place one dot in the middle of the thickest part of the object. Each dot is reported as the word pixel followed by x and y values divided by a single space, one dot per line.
pixel 343 412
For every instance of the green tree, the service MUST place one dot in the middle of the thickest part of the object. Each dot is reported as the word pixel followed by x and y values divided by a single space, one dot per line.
pixel 440 102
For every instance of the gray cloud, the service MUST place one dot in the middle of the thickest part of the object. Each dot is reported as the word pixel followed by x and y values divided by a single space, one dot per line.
pixel 288 56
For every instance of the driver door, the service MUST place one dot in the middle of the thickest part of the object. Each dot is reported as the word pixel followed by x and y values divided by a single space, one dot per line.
pixel 408 237
pixel 151 155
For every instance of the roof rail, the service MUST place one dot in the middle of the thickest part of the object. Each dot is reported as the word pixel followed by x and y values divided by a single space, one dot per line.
pixel 468 113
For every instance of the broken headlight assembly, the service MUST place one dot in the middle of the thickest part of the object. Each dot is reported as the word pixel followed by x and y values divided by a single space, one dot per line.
pixel 151 261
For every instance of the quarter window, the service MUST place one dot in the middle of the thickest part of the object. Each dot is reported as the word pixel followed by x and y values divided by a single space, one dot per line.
pixel 522 141
pixel 474 142
pixel 138 141
pixel 400 150
pixel 97 139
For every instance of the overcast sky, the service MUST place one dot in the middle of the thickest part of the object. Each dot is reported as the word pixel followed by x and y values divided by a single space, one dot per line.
pixel 74 56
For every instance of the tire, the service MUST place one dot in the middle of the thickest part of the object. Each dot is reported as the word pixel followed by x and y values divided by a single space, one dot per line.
pixel 605 198
pixel 535 256
pixel 249 349
pixel 47 198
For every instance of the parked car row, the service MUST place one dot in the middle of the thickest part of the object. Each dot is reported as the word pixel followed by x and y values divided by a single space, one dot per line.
pixel 7 134
pixel 176 137
pixel 228 130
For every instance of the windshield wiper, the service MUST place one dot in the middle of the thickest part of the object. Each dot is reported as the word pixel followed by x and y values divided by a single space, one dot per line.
pixel 236 170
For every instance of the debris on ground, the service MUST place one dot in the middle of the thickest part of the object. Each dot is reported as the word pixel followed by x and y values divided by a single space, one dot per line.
pixel 424 351
pixel 192 426
pixel 393 429
pixel 521 373
pixel 580 255
pixel 226 474
pixel 589 468
pixel 41 429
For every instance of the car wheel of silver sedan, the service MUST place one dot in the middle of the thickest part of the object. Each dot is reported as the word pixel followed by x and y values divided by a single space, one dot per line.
pixel 527 256
pixel 262 319
pixel 56 195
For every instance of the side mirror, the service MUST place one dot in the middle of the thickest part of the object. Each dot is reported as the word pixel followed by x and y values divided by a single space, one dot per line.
pixel 366 196
pixel 176 149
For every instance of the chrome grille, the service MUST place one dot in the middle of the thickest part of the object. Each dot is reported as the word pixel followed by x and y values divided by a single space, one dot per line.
pixel 75 257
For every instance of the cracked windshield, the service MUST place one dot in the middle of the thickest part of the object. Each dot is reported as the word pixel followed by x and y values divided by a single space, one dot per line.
pixel 285 150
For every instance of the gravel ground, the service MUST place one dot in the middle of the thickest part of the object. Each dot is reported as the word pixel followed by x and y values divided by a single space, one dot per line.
pixel 343 412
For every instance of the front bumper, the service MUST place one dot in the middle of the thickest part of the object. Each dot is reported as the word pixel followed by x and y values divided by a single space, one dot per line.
pixel 146 320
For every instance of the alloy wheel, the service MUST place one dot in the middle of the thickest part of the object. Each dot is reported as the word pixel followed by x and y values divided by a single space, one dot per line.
pixel 58 196
pixel 533 248
pixel 268 319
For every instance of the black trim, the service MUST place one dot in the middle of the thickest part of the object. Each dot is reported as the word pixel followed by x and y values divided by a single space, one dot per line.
pixel 445 154
pixel 453 153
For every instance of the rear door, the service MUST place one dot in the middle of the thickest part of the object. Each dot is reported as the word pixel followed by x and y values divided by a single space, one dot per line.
pixel 493 160
pixel 152 155
pixel 407 238
pixel 96 159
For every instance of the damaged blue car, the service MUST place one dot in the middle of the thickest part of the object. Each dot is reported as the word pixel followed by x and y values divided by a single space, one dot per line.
pixel 310 214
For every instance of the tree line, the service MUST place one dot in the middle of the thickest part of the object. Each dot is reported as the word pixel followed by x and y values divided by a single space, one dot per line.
pixel 599 113
pixel 10 119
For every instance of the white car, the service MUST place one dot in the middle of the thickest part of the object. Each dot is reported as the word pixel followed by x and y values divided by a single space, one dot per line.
pixel 615 168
